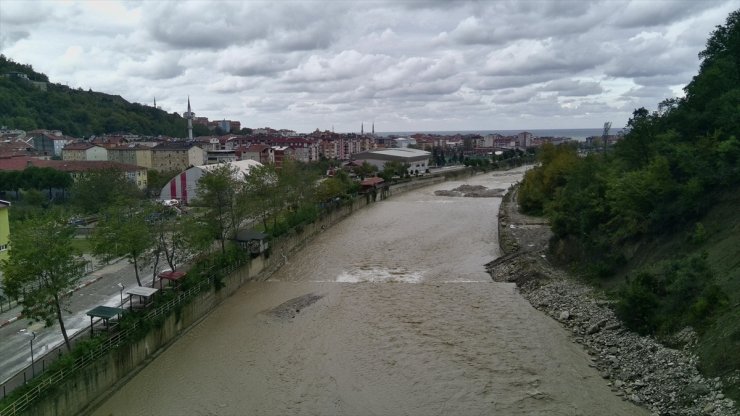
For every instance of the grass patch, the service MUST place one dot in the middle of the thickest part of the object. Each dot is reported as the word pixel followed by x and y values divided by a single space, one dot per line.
pixel 82 244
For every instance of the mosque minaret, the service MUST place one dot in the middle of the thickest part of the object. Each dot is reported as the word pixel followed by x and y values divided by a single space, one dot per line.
pixel 189 115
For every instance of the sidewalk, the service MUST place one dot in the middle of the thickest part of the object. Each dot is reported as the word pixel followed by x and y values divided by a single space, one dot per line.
pixel 12 314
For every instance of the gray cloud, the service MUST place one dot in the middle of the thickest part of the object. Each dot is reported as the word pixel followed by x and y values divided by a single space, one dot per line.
pixel 573 88
pixel 7 39
pixel 657 13
pixel 418 65
pixel 155 67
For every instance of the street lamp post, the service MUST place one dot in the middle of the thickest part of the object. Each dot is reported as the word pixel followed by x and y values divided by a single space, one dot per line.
pixel 120 286
pixel 32 335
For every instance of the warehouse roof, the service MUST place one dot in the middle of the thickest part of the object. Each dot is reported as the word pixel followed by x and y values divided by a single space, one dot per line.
pixel 393 154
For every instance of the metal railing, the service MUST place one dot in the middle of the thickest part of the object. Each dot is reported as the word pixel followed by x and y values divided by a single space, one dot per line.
pixel 115 340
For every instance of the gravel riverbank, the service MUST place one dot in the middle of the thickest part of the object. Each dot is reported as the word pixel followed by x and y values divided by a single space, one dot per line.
pixel 637 368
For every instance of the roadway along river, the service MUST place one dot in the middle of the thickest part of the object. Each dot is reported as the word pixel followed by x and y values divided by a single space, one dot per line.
pixel 389 312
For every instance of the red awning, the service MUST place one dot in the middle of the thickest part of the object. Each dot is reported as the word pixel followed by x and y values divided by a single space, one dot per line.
pixel 172 275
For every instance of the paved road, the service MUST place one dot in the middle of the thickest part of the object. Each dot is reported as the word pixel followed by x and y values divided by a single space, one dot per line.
pixel 15 352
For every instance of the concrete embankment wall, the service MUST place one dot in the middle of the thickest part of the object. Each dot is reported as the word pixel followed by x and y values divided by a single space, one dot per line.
pixel 94 383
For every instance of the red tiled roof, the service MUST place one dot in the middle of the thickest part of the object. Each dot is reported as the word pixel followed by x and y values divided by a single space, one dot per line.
pixel 21 163
pixel 371 181
pixel 78 146
pixel 256 148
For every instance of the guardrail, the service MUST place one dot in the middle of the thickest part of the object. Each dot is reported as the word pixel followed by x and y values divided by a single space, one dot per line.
pixel 115 340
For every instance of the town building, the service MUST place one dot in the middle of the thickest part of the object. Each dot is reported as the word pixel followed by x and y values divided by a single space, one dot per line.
pixel 23 77
pixel 84 151
pixel 524 139
pixel 11 146
pixel 50 143
pixel 282 153
pixel 132 154
pixel 220 156
pixel 177 156
pixel 258 152
pixel 77 169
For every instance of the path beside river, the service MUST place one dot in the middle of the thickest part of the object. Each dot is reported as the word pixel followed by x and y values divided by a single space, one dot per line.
pixel 390 312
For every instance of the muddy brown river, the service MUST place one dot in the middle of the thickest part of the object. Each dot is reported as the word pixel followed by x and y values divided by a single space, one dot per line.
pixel 390 312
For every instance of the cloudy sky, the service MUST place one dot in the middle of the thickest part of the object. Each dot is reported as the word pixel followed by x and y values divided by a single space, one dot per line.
pixel 416 65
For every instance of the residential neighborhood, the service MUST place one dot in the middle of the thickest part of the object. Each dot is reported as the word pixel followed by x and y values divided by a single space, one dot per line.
pixel 136 155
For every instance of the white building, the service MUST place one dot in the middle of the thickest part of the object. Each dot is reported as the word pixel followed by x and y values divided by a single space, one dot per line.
pixel 404 142
pixel 184 186
pixel 416 160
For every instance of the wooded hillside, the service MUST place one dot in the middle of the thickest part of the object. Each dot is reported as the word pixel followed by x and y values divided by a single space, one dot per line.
pixel 76 112
pixel 657 218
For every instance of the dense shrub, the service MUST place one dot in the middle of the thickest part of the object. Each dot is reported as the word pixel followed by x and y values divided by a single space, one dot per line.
pixel 670 296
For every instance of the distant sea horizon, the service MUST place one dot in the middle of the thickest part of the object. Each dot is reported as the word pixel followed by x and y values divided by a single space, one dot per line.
pixel 575 134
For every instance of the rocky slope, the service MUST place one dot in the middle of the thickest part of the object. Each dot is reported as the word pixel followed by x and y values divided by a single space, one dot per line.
pixel 637 368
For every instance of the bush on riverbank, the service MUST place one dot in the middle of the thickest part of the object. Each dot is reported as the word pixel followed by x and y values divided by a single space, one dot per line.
pixel 671 295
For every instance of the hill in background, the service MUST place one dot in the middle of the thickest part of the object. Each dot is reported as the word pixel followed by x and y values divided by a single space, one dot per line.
pixel 25 106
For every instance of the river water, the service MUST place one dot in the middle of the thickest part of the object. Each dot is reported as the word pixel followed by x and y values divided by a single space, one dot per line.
pixel 390 312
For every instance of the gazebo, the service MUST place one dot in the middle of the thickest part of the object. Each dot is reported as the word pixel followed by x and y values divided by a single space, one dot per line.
pixel 173 276
pixel 143 293
pixel 253 241
pixel 105 313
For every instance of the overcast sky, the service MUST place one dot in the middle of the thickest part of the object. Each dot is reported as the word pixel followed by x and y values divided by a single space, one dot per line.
pixel 421 65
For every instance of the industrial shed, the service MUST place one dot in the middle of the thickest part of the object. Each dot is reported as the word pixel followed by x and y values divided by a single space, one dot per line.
pixel 184 186
pixel 417 160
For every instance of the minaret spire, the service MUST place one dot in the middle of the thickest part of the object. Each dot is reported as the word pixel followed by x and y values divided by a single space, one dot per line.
pixel 155 102
pixel 373 128
pixel 362 128
pixel 189 115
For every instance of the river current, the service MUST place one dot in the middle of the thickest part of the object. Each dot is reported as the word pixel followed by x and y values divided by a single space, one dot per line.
pixel 389 312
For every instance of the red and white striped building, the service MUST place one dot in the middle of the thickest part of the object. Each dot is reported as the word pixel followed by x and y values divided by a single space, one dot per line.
pixel 184 186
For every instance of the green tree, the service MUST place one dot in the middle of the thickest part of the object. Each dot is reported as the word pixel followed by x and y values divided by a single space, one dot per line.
pixel 366 170
pixel 330 188
pixel 96 190
pixel 43 266
pixel 296 183
pixel 123 231
pixel 541 183
pixel 11 181
pixel 262 194
pixel 220 192
pixel 394 168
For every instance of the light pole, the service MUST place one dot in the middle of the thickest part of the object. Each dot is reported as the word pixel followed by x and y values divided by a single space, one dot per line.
pixel 32 335
pixel 120 286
